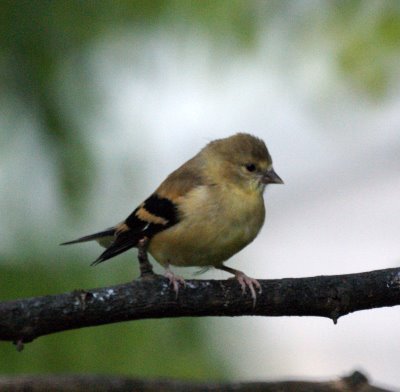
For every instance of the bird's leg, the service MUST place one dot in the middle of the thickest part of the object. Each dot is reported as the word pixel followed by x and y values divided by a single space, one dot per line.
pixel 174 280
pixel 146 268
pixel 244 282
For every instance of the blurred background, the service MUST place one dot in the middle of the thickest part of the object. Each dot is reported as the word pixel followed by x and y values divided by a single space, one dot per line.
pixel 99 101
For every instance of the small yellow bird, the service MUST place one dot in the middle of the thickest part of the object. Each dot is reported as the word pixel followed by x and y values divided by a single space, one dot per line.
pixel 202 213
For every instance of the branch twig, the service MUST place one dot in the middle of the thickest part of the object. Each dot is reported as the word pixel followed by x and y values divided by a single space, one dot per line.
pixel 23 320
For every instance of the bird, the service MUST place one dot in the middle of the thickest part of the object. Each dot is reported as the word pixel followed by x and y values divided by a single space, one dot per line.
pixel 203 213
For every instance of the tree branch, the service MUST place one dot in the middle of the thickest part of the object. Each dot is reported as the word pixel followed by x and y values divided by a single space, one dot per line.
pixel 23 320
pixel 356 382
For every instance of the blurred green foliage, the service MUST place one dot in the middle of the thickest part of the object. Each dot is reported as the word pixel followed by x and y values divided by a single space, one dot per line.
pixel 37 37
pixel 370 49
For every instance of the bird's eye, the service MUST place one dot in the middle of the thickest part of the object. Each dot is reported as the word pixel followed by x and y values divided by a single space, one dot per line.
pixel 251 167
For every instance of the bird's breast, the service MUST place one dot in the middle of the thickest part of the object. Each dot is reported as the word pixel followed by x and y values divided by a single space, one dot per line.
pixel 215 223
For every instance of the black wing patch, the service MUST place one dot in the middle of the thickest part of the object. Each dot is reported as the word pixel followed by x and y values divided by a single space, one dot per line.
pixel 154 215
pixel 162 208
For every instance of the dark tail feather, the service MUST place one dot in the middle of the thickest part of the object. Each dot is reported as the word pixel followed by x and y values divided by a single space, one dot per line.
pixel 120 245
pixel 95 236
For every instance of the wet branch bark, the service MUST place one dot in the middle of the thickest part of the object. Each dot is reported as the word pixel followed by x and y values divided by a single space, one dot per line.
pixel 23 320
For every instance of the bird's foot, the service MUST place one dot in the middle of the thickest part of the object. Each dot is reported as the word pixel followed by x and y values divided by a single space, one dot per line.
pixel 251 283
pixel 174 280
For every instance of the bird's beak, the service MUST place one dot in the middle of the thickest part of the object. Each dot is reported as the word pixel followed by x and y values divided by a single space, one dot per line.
pixel 270 177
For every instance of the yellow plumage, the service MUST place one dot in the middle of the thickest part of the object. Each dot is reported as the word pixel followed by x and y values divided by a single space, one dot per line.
pixel 211 230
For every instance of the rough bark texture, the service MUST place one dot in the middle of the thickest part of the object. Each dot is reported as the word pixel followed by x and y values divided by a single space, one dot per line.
pixel 356 382
pixel 23 320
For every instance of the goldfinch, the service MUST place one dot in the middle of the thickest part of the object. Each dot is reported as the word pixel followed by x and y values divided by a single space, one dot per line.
pixel 204 212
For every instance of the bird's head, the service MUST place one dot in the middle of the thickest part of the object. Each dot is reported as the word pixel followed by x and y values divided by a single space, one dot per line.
pixel 242 160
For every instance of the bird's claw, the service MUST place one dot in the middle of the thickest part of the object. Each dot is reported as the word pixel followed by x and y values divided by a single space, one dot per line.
pixel 175 281
pixel 251 283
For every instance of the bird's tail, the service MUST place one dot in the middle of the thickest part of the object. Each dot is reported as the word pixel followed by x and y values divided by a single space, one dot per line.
pixel 96 236
pixel 122 243
pixel 113 239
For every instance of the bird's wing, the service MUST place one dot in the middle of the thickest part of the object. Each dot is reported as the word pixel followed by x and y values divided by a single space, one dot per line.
pixel 157 213
pixel 181 181
pixel 152 216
